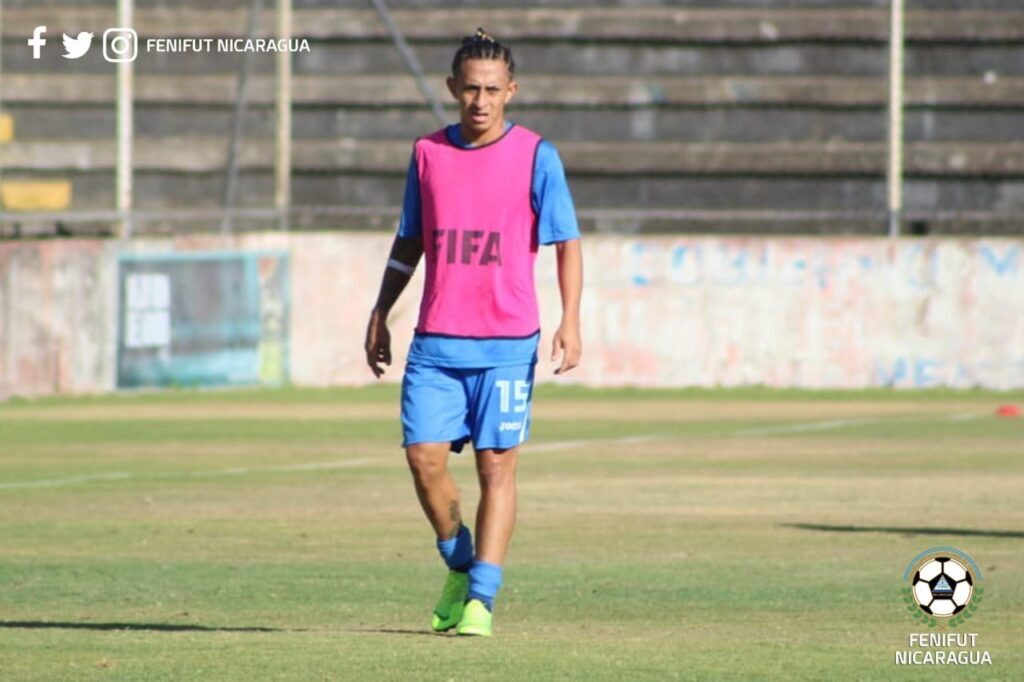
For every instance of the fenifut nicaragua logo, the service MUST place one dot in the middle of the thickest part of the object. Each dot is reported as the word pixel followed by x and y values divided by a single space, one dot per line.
pixel 942 587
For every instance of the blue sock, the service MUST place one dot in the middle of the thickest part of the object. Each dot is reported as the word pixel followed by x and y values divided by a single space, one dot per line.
pixel 484 582
pixel 457 552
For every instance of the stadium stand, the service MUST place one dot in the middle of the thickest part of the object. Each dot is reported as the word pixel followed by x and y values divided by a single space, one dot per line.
pixel 732 116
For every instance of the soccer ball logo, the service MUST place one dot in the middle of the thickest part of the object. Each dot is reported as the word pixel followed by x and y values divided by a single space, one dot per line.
pixel 942 586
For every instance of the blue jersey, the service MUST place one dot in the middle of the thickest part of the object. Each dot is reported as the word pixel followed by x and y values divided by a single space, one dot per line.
pixel 556 222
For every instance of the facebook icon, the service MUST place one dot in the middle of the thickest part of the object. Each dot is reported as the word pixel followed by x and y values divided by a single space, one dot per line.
pixel 37 41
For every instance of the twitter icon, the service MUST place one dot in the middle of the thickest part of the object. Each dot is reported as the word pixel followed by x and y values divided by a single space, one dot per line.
pixel 77 47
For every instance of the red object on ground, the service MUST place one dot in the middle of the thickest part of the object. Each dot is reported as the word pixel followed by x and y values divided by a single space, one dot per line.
pixel 1008 411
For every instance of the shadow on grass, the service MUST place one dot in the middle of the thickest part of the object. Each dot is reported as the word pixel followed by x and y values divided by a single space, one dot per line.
pixel 147 627
pixel 184 627
pixel 907 530
pixel 395 631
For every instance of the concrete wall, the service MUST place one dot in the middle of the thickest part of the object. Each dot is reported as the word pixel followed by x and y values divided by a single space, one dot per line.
pixel 806 312
pixel 57 317
pixel 658 311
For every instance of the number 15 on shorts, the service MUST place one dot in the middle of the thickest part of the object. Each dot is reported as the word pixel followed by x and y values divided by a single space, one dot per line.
pixel 519 391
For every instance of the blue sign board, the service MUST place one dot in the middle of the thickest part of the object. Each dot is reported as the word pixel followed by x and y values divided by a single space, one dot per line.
pixel 203 319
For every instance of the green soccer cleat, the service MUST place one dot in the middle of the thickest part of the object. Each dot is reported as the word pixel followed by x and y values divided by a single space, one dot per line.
pixel 476 620
pixel 449 607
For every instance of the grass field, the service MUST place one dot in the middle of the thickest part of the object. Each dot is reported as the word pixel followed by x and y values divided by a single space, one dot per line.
pixel 274 535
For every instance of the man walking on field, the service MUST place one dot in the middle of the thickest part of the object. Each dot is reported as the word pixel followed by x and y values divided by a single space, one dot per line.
pixel 480 196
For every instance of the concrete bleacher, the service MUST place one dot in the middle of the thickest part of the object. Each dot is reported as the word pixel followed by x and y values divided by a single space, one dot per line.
pixel 739 115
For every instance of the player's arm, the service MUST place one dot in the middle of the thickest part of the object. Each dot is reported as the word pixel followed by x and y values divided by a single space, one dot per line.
pixel 570 284
pixel 405 255
pixel 557 224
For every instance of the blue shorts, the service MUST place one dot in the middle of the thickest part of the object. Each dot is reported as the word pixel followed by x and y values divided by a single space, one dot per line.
pixel 489 406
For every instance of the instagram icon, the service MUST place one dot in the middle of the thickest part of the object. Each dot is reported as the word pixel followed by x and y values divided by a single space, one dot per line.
pixel 120 45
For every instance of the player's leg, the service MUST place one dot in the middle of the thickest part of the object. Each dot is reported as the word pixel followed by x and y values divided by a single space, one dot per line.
pixel 435 488
pixel 434 416
pixel 496 515
pixel 500 408
pixel 495 519
pixel 439 498
pixel 433 422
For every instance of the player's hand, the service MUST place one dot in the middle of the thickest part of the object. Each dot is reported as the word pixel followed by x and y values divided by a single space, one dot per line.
pixel 567 340
pixel 378 343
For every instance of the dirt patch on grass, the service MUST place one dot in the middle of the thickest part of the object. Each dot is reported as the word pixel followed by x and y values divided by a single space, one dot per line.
pixel 253 451
pixel 716 449
pixel 198 411
pixel 689 411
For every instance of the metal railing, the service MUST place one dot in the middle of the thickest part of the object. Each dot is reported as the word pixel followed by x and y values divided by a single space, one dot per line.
pixel 894 176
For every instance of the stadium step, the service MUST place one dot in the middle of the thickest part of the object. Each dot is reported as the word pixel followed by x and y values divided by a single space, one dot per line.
pixel 533 4
pixel 150 220
pixel 695 25
pixel 171 190
pixel 570 58
pixel 610 124
pixel 352 155
pixel 538 90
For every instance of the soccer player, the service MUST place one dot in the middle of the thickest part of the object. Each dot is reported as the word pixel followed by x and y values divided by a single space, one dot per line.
pixel 480 196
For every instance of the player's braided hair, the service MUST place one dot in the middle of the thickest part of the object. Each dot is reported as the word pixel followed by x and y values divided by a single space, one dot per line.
pixel 482 46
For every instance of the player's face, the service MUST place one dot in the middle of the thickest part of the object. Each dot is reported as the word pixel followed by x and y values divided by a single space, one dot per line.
pixel 482 90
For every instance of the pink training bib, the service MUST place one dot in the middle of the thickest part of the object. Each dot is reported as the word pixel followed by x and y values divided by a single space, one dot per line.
pixel 479 236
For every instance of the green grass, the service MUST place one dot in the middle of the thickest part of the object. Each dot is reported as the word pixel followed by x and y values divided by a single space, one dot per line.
pixel 144 539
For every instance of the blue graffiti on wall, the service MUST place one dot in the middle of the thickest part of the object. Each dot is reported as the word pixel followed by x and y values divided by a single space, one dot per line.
pixel 917 265
pixel 930 372
pixel 639 277
pixel 724 264
pixel 917 372
pixel 1002 265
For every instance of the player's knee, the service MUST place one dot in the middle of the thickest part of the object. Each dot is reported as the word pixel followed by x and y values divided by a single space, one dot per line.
pixel 497 479
pixel 497 472
pixel 424 463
